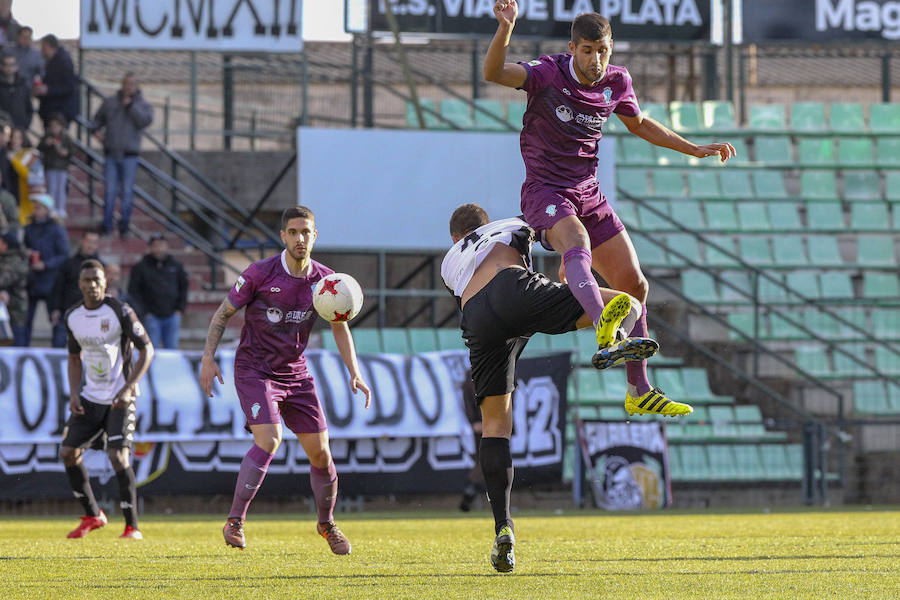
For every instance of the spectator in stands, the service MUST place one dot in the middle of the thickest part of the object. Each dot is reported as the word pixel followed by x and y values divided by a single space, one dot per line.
pixel 56 147
pixel 14 285
pixel 10 181
pixel 9 211
pixel 65 291
pixel 114 287
pixel 27 164
pixel 58 91
pixel 158 290
pixel 15 93
pixel 31 63
pixel 9 27
pixel 48 245
pixel 118 124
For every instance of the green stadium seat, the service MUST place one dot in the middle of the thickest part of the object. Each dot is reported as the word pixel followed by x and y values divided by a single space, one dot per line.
pixel 697 426
pixel 585 344
pixel 888 150
pixel 563 342
pixel 845 366
pixel 881 286
pixel 515 110
pixel 836 285
pixel 367 341
pixel 687 212
pixel 767 117
pixel 720 216
pixel 652 215
pixel 718 116
pixel 649 253
pixel 687 248
pixel 450 339
pixel 824 251
pixel 741 153
pixel 774 462
pixel 818 185
pixel 784 216
pixel 755 250
pixel 657 112
pixel 722 466
pixel 694 462
pixel 685 116
pixel 875 251
pixel 884 118
pixel 893 393
pixel 753 216
pixel 847 117
pixel 773 150
pixel 634 182
pixel 458 112
pixel 769 185
pixel 614 386
pixel 696 383
pixel 749 464
pixel 703 183
pixel 670 380
pixel 422 339
pixel 634 151
pixel 805 283
pixel 869 216
pixel 856 152
pixel 487 122
pixel 732 283
pixel 816 152
pixel 667 157
pixel 668 183
pixel 589 386
pixel 870 397
pixel 673 433
pixel 743 323
pixel 722 418
pixel 539 343
pixel 750 422
pixel 429 114
pixel 736 185
pixel 719 259
pixel 789 251
pixel 699 286
pixel 862 185
pixel 786 325
pixel 892 192
pixel 394 340
pixel 627 211
pixel 771 288
pixel 886 323
pixel 825 216
pixel 808 117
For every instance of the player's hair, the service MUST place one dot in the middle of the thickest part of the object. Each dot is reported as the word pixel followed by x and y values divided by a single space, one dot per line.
pixel 296 212
pixel 590 26
pixel 467 218
pixel 91 263
pixel 51 40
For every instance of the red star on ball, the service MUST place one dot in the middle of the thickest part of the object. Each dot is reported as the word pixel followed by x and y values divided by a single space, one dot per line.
pixel 329 285
pixel 339 317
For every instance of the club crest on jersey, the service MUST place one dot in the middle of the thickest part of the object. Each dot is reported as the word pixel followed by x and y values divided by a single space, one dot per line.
pixel 274 314
pixel 551 210
pixel 239 283
pixel 564 113
pixel 254 410
pixel 104 326
pixel 607 95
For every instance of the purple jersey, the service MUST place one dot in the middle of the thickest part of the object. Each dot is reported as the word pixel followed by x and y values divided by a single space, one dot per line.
pixel 562 123
pixel 278 318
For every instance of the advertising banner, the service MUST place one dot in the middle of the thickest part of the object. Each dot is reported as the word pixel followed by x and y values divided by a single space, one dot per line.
pixel 821 20
pixel 220 25
pixel 627 464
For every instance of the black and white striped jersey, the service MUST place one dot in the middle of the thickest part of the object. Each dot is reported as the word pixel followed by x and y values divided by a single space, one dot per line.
pixel 464 257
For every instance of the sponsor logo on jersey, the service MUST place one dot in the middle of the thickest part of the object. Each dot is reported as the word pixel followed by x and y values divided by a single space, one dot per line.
pixel 239 283
pixel 534 63
pixel 254 410
pixel 297 316
pixel 594 121
pixel 274 314
pixel 564 113
pixel 551 210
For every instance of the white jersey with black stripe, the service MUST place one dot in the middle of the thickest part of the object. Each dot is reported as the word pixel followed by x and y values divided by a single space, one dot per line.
pixel 464 257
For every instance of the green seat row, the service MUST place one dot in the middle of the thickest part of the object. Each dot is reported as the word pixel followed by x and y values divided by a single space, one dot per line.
pixel 817 360
pixel 736 462
pixel 397 340
pixel 876 398
pixel 810 117
pixel 690 384
pixel 702 183
pixel 800 324
pixel 481 114
pixel 736 287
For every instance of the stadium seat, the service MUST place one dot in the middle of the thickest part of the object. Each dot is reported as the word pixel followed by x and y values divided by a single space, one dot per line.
pixel 422 339
pixel 614 386
pixel 742 326
pixel 687 212
pixel 564 342
pixel 805 283
pixel 816 152
pixel 886 322
pixel 774 462
pixel 784 216
pixel 750 423
pixel 699 286
pixel 862 185
pixel 818 185
pixel 450 339
pixel 870 397
pixel 636 152
pixel 824 251
pixel 703 183
pixel 845 366
pixel 722 418
pixel 767 117
pixel 847 117
pixel 696 383
pixel 367 340
pixel 697 426
pixel 394 340
pixel 515 110
pixel 649 253
pixel 892 190
pixel 888 150
pixel 749 464
pixel 633 182
pixel 769 185
pixel 719 259
pixel 731 286
pixel 786 325
pixel 880 286
pixel 539 343
pixel 771 288
pixel 887 360
pixel 668 183
pixel 667 157
pixel 429 115
pixel 773 150
pixel 718 116
pixel 657 112
pixel 722 466
pixel 741 153
pixel 856 152
pixel 720 216
pixel 685 116
pixel 687 248
pixel 884 118
pixel 875 251
pixel 627 211
pixel 808 117
pixel 458 112
pixel 736 185
pixel 836 285
pixel 653 214
pixel 671 382
pixel 753 217
pixel 486 122
pixel 755 250
pixel 588 384
pixel 869 216
pixel 694 462
pixel 789 250
pixel 825 216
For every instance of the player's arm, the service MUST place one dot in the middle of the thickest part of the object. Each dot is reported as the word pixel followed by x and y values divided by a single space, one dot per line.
pixel 656 133
pixel 495 67
pixel 344 341
pixel 75 372
pixel 145 357
pixel 208 367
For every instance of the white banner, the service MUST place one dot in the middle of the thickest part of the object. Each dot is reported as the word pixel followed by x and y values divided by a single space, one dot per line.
pixel 219 25
pixel 413 396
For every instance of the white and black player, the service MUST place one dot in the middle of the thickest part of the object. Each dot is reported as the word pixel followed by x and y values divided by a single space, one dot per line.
pixel 503 303
pixel 102 333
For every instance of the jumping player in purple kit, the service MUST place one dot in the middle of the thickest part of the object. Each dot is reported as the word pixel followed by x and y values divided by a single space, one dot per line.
pixel 570 96
pixel 270 372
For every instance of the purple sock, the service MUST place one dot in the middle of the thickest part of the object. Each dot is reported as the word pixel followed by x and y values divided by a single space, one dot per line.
pixel 581 281
pixel 250 477
pixel 324 485
pixel 636 371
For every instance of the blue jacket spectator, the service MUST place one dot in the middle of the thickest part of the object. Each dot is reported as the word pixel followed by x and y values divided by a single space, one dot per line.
pixel 30 61
pixel 59 90
pixel 48 244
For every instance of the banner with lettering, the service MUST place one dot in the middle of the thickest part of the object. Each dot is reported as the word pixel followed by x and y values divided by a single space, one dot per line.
pixel 821 20
pixel 627 464
pixel 219 25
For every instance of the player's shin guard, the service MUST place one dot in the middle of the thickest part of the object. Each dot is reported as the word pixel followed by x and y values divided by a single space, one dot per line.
pixel 496 464
pixel 636 371
pixel 253 471
pixel 324 484
pixel 580 280
pixel 128 496
pixel 81 487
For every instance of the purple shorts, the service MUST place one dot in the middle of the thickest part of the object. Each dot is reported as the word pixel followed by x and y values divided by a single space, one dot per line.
pixel 266 401
pixel 543 205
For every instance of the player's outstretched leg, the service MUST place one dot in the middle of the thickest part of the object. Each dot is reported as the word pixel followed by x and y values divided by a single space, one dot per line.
pixel 128 503
pixel 655 402
pixel 324 484
pixel 496 465
pixel 250 478
pixel 620 313
pixel 624 351
pixel 81 487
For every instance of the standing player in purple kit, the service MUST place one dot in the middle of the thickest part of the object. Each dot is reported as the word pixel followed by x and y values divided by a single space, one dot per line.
pixel 570 96
pixel 270 372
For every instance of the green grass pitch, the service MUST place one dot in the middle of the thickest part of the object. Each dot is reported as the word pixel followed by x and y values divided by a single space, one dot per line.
pixel 579 554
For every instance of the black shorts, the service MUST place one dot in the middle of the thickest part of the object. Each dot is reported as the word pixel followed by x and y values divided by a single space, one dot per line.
pixel 499 319
pixel 100 427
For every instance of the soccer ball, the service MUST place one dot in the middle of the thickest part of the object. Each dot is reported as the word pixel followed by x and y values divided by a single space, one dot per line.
pixel 337 297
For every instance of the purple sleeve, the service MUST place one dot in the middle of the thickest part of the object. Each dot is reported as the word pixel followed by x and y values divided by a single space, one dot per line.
pixel 244 288
pixel 538 74
pixel 628 104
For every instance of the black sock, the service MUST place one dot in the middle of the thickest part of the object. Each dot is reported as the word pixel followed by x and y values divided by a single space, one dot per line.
pixel 128 495
pixel 496 464
pixel 81 487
